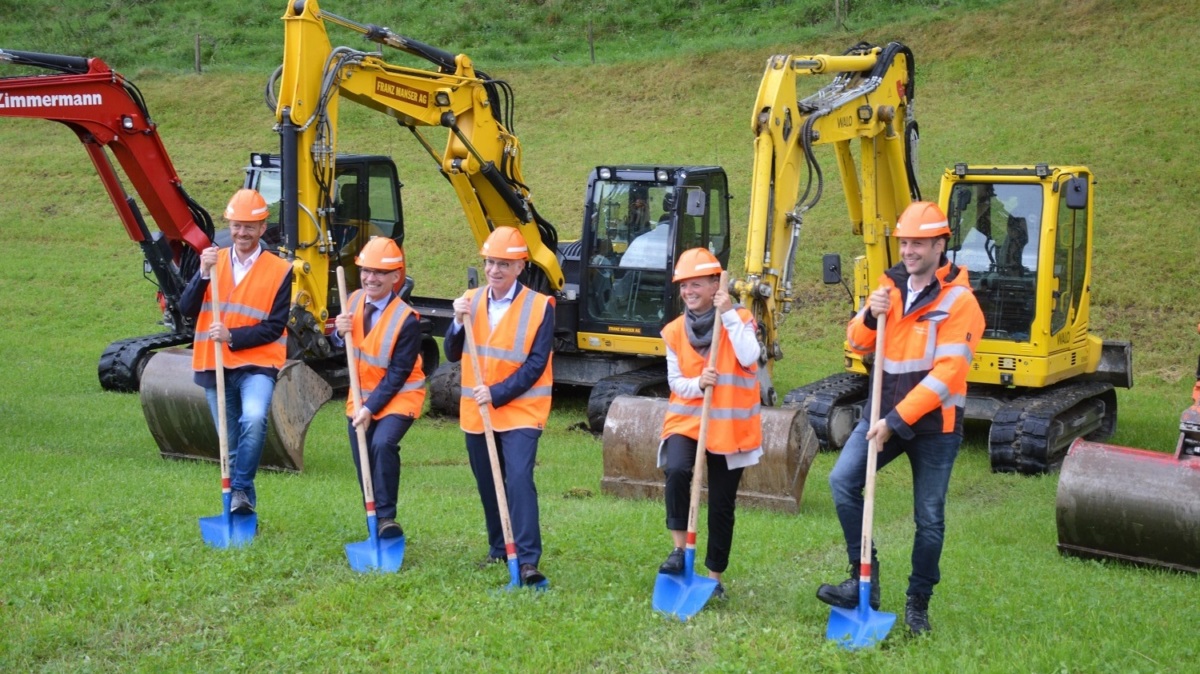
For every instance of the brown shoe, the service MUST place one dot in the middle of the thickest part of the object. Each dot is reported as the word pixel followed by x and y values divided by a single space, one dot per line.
pixel 530 575
pixel 388 528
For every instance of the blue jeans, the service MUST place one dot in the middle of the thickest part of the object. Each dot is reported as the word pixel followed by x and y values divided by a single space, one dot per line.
pixel 517 450
pixel 931 458
pixel 247 402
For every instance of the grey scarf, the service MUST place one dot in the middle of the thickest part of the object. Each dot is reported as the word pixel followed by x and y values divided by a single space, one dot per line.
pixel 699 328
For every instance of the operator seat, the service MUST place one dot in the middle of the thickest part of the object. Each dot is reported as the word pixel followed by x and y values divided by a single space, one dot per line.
pixel 1014 244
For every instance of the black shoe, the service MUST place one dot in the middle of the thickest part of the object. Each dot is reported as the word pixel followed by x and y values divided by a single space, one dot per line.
pixel 389 528
pixel 240 504
pixel 674 563
pixel 719 592
pixel 916 614
pixel 488 561
pixel 845 595
pixel 530 575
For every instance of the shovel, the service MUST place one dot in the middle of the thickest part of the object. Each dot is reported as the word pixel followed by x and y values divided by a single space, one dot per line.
pixel 682 596
pixel 227 529
pixel 374 554
pixel 855 628
pixel 510 546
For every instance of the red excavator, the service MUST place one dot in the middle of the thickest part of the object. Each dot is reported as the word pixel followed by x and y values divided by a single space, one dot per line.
pixel 109 116
pixel 1134 505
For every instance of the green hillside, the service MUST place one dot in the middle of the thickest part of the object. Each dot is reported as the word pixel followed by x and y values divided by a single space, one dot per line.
pixel 102 567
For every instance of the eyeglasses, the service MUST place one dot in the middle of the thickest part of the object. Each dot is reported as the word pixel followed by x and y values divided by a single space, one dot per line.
pixel 375 272
pixel 502 265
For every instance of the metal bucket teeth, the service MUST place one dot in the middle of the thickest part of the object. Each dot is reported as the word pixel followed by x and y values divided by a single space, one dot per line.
pixel 181 424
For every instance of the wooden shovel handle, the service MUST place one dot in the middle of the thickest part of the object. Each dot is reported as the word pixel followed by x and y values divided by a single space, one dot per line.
pixel 702 440
pixel 364 461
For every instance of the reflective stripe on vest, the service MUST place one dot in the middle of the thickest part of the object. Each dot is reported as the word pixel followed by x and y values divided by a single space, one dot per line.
pixel 501 353
pixel 246 304
pixel 375 354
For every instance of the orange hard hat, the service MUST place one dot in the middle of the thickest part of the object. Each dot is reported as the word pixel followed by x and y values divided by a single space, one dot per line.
pixel 695 263
pixel 505 243
pixel 922 220
pixel 381 253
pixel 247 206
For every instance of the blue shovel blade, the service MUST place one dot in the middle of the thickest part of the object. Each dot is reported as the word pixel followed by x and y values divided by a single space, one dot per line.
pixel 860 627
pixel 514 579
pixel 681 596
pixel 228 530
pixel 376 554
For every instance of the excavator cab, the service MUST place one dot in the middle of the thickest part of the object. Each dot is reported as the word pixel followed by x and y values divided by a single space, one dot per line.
pixel 637 221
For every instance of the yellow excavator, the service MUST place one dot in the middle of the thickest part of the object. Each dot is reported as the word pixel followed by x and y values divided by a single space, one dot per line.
pixel 1023 232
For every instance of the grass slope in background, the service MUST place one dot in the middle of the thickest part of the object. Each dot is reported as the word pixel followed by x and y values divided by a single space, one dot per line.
pixel 102 563
pixel 143 33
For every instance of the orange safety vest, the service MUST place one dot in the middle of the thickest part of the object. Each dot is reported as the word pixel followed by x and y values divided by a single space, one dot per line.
pixel 502 353
pixel 374 354
pixel 734 418
pixel 249 303
pixel 927 353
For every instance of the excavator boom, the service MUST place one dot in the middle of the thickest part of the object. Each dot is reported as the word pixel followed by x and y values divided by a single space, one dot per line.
pixel 108 115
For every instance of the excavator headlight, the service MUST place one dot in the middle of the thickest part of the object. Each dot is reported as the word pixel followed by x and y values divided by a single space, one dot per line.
pixel 1042 170
pixel 605 174
pixel 865 113
pixel 662 175
pixel 127 123
pixel 442 98
pixel 960 169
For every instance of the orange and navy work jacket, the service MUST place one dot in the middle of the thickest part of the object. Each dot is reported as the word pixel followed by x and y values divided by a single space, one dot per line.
pixel 501 353
pixel 734 423
pixel 246 304
pixel 927 351
pixel 375 353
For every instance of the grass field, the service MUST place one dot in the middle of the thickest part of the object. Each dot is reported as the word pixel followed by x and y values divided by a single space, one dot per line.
pixel 101 562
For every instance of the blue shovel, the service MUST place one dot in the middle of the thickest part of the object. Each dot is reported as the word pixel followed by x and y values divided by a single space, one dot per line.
pixel 682 596
pixel 510 546
pixel 860 627
pixel 227 529
pixel 374 554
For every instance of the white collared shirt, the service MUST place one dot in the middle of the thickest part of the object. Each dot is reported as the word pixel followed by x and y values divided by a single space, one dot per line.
pixel 497 306
pixel 240 269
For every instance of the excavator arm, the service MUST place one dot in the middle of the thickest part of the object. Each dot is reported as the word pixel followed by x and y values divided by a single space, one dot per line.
pixel 481 158
pixel 108 115
pixel 869 100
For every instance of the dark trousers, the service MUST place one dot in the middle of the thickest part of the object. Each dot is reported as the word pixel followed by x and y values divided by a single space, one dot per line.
pixel 722 496
pixel 931 458
pixel 517 451
pixel 383 451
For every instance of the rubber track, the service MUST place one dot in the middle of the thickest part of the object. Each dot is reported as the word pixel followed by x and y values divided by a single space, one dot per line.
pixel 121 364
pixel 1019 442
pixel 820 398
pixel 632 383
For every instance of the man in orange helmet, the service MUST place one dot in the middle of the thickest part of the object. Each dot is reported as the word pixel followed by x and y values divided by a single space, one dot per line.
pixel 933 326
pixel 256 290
pixel 387 333
pixel 734 439
pixel 513 330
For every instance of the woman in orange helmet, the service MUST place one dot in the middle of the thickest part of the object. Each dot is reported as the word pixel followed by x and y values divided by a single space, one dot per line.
pixel 734 439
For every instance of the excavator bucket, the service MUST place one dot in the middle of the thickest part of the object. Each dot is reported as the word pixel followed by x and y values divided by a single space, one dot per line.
pixel 1132 505
pixel 631 438
pixel 179 419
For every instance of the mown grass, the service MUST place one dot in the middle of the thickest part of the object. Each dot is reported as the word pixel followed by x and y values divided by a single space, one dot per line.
pixel 102 563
